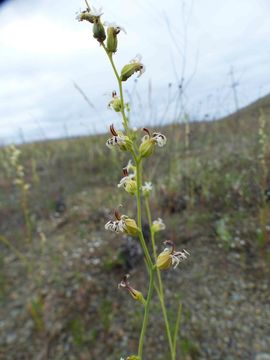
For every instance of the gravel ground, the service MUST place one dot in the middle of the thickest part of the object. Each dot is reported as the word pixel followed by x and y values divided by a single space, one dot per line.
pixel 82 315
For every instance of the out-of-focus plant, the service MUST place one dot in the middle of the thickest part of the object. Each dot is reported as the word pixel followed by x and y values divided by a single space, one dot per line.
pixel 264 212
pixel 132 183
pixel 20 181
pixel 223 233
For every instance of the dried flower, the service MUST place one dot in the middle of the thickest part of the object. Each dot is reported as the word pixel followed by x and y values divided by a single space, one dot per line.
pixel 169 257
pixel 122 224
pixel 137 295
pixel 119 139
pixel 90 15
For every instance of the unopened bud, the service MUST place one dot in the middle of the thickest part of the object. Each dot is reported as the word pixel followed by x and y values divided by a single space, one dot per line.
pixel 115 103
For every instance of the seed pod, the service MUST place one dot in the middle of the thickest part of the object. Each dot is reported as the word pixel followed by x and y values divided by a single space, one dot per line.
pixel 99 31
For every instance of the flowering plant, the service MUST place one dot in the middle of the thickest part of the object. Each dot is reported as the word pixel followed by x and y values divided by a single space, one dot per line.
pixel 127 140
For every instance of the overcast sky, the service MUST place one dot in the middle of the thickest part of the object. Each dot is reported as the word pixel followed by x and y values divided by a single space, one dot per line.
pixel 44 50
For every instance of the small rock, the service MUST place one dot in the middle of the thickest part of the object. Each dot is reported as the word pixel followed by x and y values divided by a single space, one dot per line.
pixel 11 338
pixel 262 356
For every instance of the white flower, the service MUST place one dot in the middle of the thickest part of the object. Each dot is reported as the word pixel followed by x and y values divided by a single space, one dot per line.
pixel 158 225
pixel 160 139
pixel 96 12
pixel 116 27
pixel 131 167
pixel 128 183
pixel 178 257
pixel 148 186
pixel 116 226
pixel 89 14
pixel 138 61
pixel 116 140
pixel 113 226
pixel 125 181
pixel 122 224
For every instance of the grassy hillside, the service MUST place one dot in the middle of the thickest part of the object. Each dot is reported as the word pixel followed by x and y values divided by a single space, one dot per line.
pixel 59 290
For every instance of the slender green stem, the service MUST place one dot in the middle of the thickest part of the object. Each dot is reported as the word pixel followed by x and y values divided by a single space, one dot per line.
pixel 125 119
pixel 139 212
pixel 176 329
pixel 146 313
pixel 160 284
pixel 4 240
pixel 24 203
pixel 150 266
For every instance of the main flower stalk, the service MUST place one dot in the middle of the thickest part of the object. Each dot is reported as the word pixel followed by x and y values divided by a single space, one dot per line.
pixel 107 36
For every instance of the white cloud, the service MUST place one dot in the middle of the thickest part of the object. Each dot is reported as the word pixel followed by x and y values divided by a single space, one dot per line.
pixel 43 50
